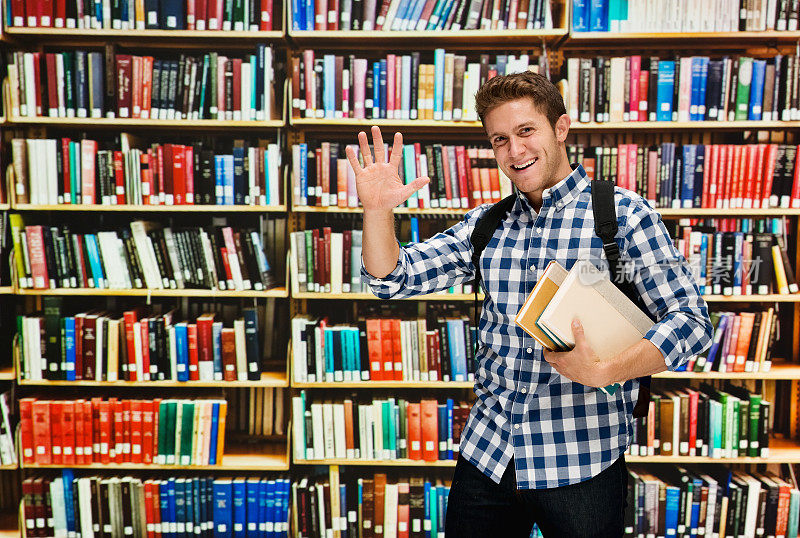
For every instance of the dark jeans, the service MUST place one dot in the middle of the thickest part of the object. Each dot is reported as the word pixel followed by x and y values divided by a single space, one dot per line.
pixel 478 507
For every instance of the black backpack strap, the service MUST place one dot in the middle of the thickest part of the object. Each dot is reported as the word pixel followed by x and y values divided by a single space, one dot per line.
pixel 484 230
pixel 605 226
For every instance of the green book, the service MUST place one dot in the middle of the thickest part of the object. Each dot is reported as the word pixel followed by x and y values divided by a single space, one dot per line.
pixel 187 433
pixel 794 513
pixel 743 88
pixel 239 23
pixel 754 412
pixel 163 418
pixel 174 454
pixel 69 82
pixel 309 261
pixel 204 85
pixel 734 403
pixel 744 419
pixel 169 432
pixel 724 444
pixel 212 83
pixel 388 431
pixel 402 445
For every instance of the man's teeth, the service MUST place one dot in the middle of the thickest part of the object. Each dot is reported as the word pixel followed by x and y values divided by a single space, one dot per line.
pixel 524 165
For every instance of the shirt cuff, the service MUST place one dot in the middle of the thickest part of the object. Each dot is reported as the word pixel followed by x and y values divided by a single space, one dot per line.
pixel 665 338
pixel 389 285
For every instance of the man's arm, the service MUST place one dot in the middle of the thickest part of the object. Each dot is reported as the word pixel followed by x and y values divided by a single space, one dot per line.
pixel 379 248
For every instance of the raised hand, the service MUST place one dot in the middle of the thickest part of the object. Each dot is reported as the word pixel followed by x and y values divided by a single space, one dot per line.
pixel 378 183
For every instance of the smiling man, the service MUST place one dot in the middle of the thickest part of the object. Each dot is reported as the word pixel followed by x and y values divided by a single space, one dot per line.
pixel 542 445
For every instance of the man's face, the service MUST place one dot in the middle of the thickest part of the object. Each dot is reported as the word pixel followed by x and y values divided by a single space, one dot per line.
pixel 525 145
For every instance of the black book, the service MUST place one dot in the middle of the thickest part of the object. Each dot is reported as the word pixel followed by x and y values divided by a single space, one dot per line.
pixel 219 266
pixel 162 245
pixel 776 87
pixel 584 90
pixel 311 179
pixel 185 259
pixel 258 278
pixel 50 257
pixel 731 95
pixel 164 101
pixel 438 163
pixel 433 184
pixel 364 348
pixel 70 250
pixel 247 276
pixel 205 179
pixel 357 17
pixel 713 89
pixel 319 69
pixel 333 169
pixel 162 267
pixel 727 255
pixel 131 259
pixel 174 84
pixel 228 90
pixel 605 68
pixel 652 90
pixel 763 424
pixel 311 340
pixel 197 268
pixel 155 93
pixel 676 87
pixel 414 85
pixel 110 81
pixel 444 347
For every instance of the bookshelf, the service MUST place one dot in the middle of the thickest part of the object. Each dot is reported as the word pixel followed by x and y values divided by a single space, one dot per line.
pixel 127 208
pixel 215 294
pixel 130 123
pixel 268 380
pixel 444 38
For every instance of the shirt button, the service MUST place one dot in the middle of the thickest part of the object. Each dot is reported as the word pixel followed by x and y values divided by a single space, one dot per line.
pixel 533 268
pixel 516 426
pixel 529 350
pixel 524 390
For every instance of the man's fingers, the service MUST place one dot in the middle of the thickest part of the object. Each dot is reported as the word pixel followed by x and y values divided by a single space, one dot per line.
pixel 353 158
pixel 366 154
pixel 414 186
pixel 397 150
pixel 577 332
pixel 377 143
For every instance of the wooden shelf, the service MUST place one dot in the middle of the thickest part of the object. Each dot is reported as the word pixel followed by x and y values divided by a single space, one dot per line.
pixel 9 525
pixel 777 371
pixel 269 456
pixel 274 292
pixel 385 385
pixel 449 38
pixel 6 290
pixel 575 127
pixel 158 38
pixel 660 39
pixel 156 208
pixel 9 467
pixel 5 207
pixel 780 451
pixel 7 374
pixel 383 463
pixel 370 297
pixel 116 123
pixel 397 210
pixel 268 379
pixel 771 298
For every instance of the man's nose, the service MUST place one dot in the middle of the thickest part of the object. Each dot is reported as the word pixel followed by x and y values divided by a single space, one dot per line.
pixel 515 146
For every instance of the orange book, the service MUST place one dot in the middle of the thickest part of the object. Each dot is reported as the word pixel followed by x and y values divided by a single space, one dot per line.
pixel 56 439
pixel 387 346
pixel 147 431
pixel 733 336
pixel 485 181
pixel 429 420
pixel 397 350
pixel 474 175
pixel 379 498
pixel 223 410
pixel 136 431
pixel 229 354
pixel 494 181
pixel 414 432
pixel 341 182
pixel 105 432
pixel 68 431
pixel 375 349
pixel 43 450
pixel 349 439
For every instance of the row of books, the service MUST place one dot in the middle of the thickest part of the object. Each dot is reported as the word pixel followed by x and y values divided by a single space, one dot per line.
pixel 742 343
pixel 145 256
pixel 461 176
pixel 683 16
pixel 705 422
pixel 252 15
pixel 115 431
pixel 137 346
pixel 689 88
pixel 411 507
pixel 409 15
pixel 8 452
pixel 66 171
pixel 77 84
pixel 718 176
pixel 256 411
pixel 738 263
pixel 385 349
pixel 395 86
pixel 712 501
pixel 69 505
pixel 381 429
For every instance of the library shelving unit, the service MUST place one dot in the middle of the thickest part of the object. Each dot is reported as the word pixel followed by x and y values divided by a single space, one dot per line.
pixel 271 453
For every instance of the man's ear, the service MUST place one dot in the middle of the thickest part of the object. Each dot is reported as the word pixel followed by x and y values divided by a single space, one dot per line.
pixel 562 127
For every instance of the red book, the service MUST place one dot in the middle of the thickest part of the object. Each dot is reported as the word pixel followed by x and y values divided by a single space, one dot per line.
pixel 148 183
pixel 89 345
pixel 147 431
pixel 266 16
pixel 68 432
pixel 88 156
pixel 194 372
pixel 77 419
pixel 95 411
pixel 43 450
pixel 200 15
pixel 769 171
pixel 711 150
pixel 635 77
pixel 26 429
pixel 66 170
pixel 461 166
pixel 188 173
pixel 155 404
pixel 215 14
pixel 144 328
pixel 18 11
pixel 159 168
pixel 106 447
pixel 692 421
pixel 45 12
pixel 375 349
pixel 229 354
pixel 429 413
pixel 136 87
pixel 397 350
pixel 403 509
pixel 118 425
pixel 147 86
pixel 191 14
pixel 157 511
pixel 414 432
pixel 126 430
pixel 387 349
pixel 119 178
pixel 169 172
pixel 149 507
pixel 178 174
pixel 795 201
pixel 124 64
pixel 56 436
pixel 28 503
pixel 35 236
pixel 88 436
pixel 205 345
pixel 38 79
pixel 237 88
pixel 136 431
pixel 129 319
pixel 758 184
pixel 52 85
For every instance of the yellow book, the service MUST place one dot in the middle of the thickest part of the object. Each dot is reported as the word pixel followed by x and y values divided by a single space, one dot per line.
pixel 536 302
pixel 780 273
pixel 223 410
pixel 17 228
pixel 449 70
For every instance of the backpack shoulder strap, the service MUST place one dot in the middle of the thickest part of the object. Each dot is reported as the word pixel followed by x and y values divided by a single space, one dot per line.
pixel 484 230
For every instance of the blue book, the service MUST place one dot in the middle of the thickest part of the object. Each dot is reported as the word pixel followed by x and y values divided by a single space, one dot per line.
pixel 376 90
pixel 401 14
pixel 737 262
pixel 694 105
pixel 438 84
pixel 163 496
pixel 304 190
pixel 433 21
pixel 448 7
pixel 96 93
pixel 329 85
pixel 757 90
pixel 449 428
pixel 172 15
pixel 180 507
pixel 197 519
pixel 329 368
pixel 671 511
pixel 426 522
pixel 433 500
pixel 298 15
pixel 442 507
pixel 182 351
pixel 345 352
pixel 414 230
pixel 251 342
pixel 93 252
pixel 212 450
pixel 67 477
pixel 239 179
pixel 310 14
pixel 264 527
pixel 416 13
pixel 458 349
pixel 703 261
pixel 223 508
pixel 69 347
pixel 695 514
pixel 687 189
pixel 219 179
pixel 718 336
pixel 382 87
pixel 229 185
pixel 598 15
pixel 702 108
pixel 270 508
pixel 355 342
pixel 172 509
pixel 699 170
pixel 442 423
pixel 580 16
pixel 666 83
pixel 239 497
pixel 216 341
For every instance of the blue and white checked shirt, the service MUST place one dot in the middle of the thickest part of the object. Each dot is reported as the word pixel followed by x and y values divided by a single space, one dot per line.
pixel 559 432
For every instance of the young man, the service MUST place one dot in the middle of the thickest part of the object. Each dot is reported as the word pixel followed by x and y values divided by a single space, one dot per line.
pixel 542 445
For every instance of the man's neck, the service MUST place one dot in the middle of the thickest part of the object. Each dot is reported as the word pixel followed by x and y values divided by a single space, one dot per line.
pixel 564 170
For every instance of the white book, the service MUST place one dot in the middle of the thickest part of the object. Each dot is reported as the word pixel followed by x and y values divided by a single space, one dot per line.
pixel 58 508
pixel 99 339
pixel 390 511
pixel 85 507
pixel 241 349
pixel 172 252
pixel 318 431
pixel 298 428
pixel 245 83
pixel 337 253
pixel 146 253
pixel 377 434
pixel 329 433
pixel 361 449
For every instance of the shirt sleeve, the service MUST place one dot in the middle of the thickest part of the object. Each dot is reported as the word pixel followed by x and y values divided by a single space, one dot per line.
pixel 667 287
pixel 432 265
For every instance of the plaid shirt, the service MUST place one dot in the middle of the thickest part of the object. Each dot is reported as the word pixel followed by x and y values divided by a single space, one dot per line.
pixel 559 432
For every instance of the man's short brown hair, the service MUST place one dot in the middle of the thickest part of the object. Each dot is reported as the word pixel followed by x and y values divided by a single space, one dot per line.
pixel 501 89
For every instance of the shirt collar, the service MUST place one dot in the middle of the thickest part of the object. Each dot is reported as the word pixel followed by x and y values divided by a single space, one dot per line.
pixel 563 192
